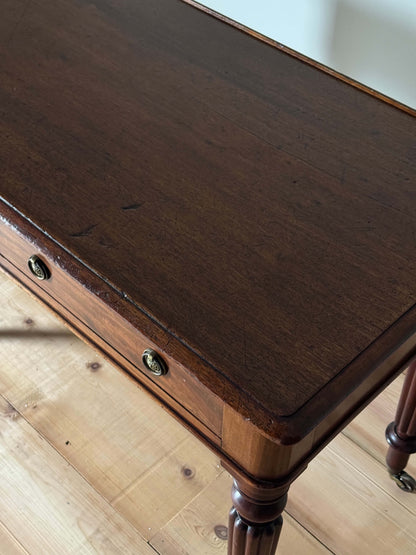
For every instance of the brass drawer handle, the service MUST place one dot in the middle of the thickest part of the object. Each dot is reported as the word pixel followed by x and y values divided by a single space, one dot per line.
pixel 38 267
pixel 154 363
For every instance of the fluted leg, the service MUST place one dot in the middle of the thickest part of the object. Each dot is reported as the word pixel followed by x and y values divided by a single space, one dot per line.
pixel 401 434
pixel 256 519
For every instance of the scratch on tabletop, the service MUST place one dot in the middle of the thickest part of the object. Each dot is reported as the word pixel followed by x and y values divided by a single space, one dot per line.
pixel 132 206
pixel 84 232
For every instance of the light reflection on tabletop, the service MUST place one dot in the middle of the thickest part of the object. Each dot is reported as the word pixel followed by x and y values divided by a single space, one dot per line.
pixel 371 41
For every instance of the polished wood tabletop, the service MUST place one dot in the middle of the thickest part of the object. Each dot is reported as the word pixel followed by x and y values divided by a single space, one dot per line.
pixel 250 214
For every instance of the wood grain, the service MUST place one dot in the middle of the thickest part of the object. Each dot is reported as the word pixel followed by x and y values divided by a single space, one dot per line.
pixel 65 515
pixel 368 429
pixel 197 528
pixel 115 445
pixel 301 56
pixel 65 380
pixel 233 187
pixel 249 215
pixel 9 544
pixel 348 475
pixel 121 336
pixel 167 487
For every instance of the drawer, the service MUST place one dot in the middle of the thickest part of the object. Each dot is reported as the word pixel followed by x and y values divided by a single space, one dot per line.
pixel 111 322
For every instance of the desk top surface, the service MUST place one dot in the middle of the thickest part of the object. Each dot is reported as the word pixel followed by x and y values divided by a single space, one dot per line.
pixel 256 207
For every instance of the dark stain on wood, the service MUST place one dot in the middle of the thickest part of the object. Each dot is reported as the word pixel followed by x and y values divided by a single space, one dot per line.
pixel 249 256
pixel 221 531
pixel 84 232
pixel 132 206
pixel 187 472
pixel 94 366
pixel 11 412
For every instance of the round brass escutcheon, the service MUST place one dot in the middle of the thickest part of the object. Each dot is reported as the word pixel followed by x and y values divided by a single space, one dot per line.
pixel 154 362
pixel 38 267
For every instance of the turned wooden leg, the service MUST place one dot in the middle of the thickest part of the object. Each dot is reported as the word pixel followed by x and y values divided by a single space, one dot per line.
pixel 255 519
pixel 401 434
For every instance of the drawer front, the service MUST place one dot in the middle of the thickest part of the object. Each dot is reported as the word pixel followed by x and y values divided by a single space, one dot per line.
pixel 102 310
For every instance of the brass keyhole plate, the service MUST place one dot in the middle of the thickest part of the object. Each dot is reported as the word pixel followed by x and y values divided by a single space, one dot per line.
pixel 154 363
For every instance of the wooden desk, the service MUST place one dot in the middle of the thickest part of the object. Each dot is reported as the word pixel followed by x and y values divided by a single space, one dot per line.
pixel 192 190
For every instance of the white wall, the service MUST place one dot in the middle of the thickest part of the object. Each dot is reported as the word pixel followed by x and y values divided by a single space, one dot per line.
pixel 372 41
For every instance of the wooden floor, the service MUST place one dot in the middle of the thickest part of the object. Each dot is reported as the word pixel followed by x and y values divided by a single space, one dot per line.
pixel 90 464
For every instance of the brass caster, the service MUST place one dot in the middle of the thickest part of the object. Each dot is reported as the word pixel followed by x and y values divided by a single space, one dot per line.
pixel 404 481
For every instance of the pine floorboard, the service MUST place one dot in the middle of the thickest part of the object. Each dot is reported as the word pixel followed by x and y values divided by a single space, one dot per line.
pixel 91 464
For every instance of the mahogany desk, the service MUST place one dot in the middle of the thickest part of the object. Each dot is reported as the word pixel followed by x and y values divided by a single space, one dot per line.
pixel 228 223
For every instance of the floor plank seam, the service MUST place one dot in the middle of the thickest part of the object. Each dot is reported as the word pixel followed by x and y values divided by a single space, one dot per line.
pixel 3 525
pixel 318 540
pixel 154 549
pixel 146 473
pixel 44 438
pixel 360 454
pixel 186 505
pixel 364 447
pixel 374 482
